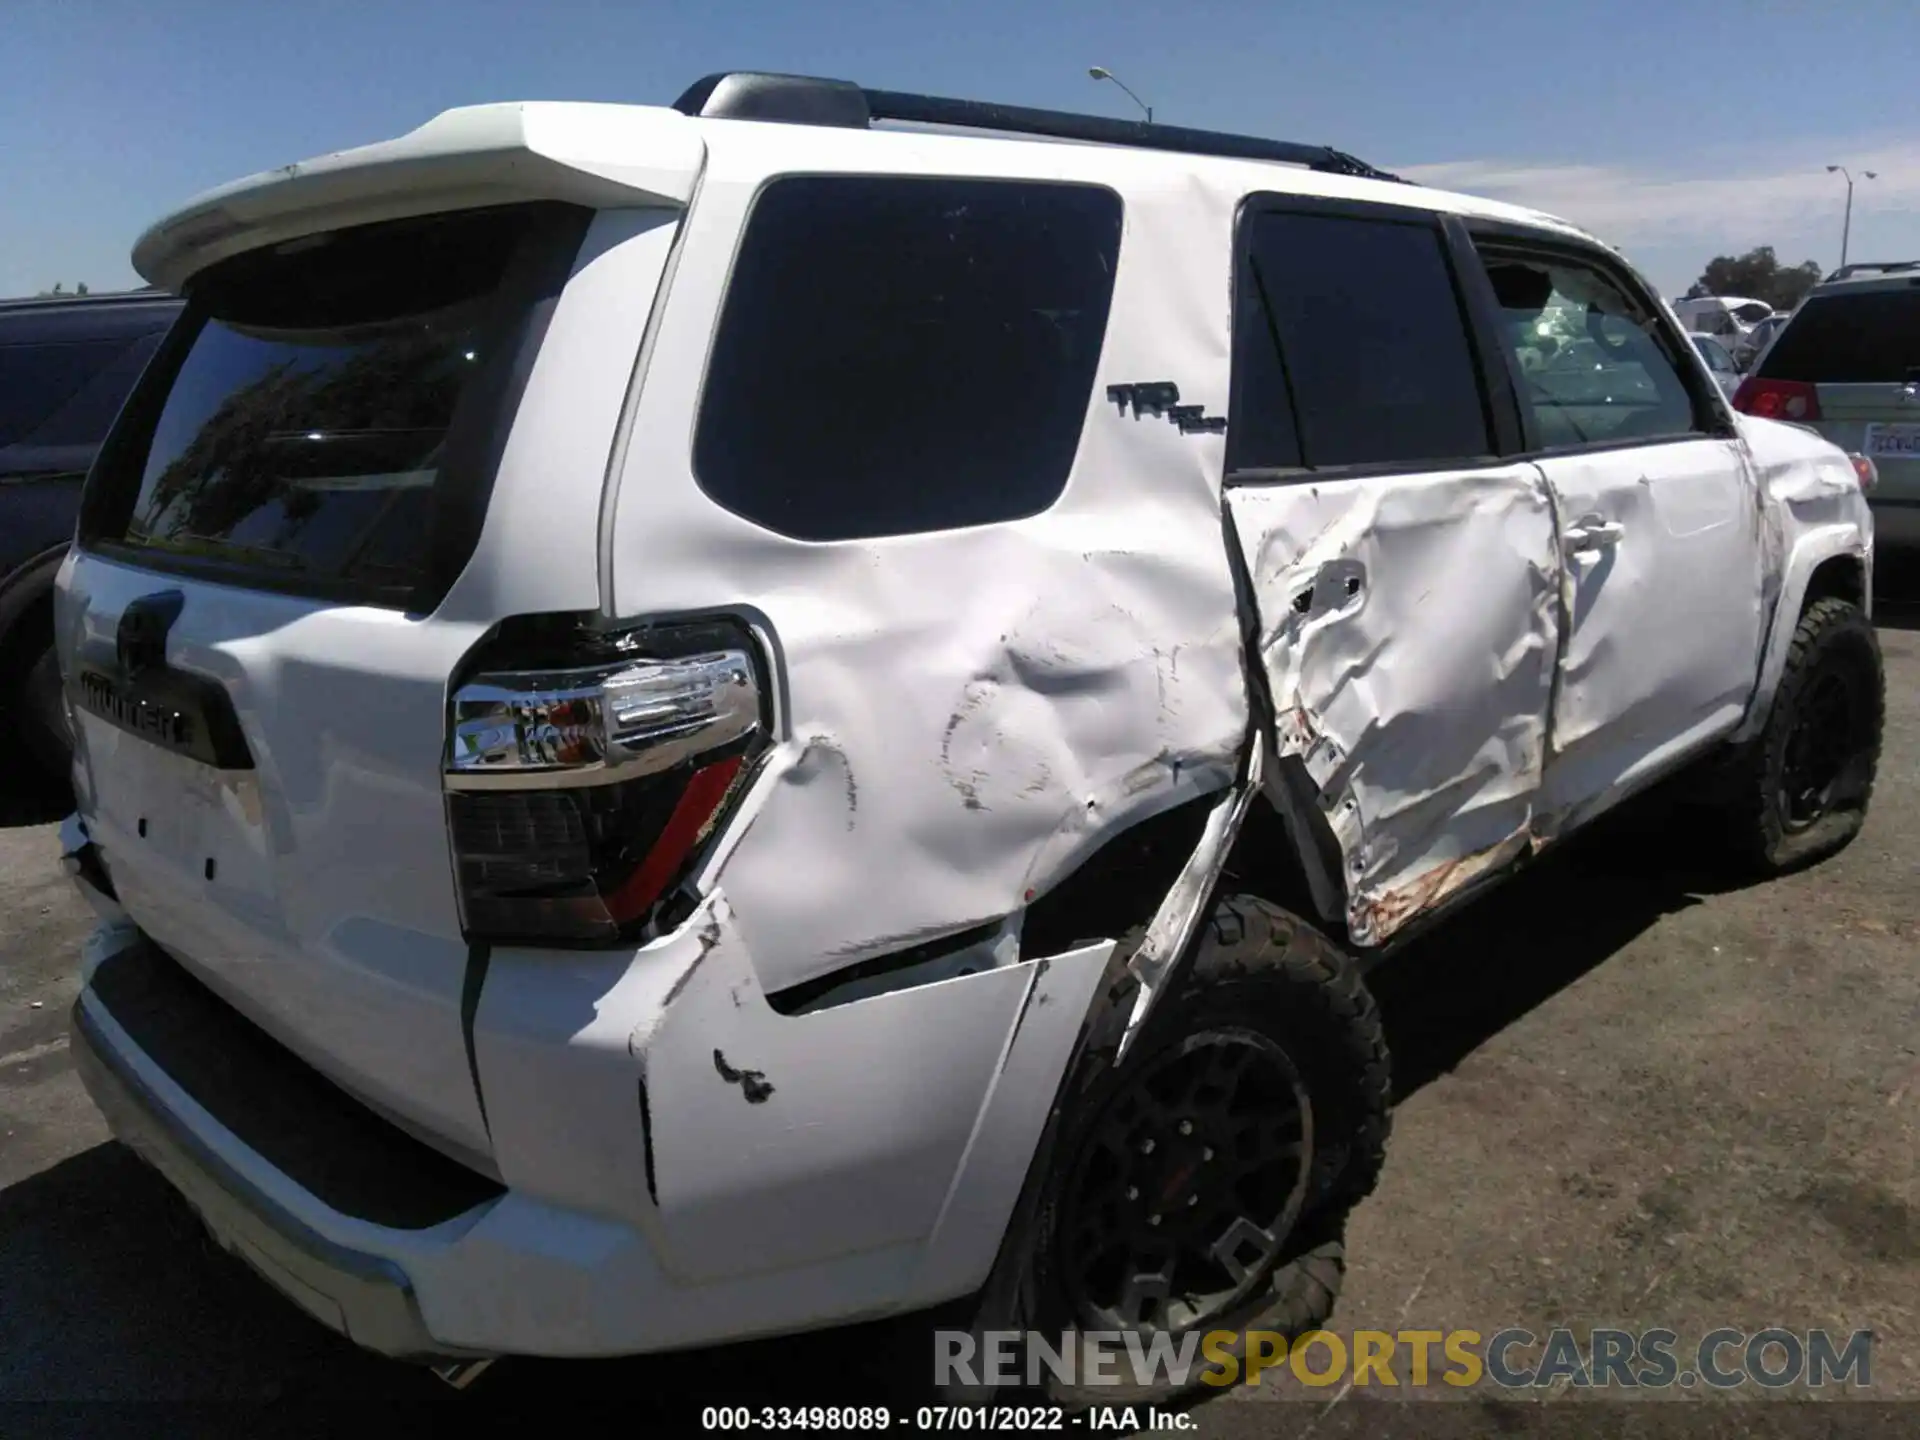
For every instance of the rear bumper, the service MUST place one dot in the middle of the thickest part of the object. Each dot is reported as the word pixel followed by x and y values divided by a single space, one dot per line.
pixel 289 1184
pixel 364 1296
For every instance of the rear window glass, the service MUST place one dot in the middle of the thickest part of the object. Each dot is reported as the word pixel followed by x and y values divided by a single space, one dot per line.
pixel 37 380
pixel 310 419
pixel 1868 338
pixel 901 355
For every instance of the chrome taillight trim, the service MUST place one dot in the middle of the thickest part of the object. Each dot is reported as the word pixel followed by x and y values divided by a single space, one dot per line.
pixel 599 725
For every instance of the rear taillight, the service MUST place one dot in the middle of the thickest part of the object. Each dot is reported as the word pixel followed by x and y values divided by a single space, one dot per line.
pixel 1865 471
pixel 581 795
pixel 1777 399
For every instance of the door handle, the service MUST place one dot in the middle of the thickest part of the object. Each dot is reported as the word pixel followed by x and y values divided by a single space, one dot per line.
pixel 1593 533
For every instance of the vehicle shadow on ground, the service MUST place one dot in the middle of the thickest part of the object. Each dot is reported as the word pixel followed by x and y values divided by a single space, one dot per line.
pixel 113 1292
pixel 1500 957
pixel 1896 591
pixel 29 798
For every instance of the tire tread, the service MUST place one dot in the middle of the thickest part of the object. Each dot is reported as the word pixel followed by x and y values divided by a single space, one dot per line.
pixel 1756 837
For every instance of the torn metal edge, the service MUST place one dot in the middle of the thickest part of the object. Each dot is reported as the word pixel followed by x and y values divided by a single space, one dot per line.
pixel 1170 933
pixel 1182 912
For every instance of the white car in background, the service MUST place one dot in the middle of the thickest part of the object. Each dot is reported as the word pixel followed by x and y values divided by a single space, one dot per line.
pixel 1726 317
pixel 1718 360
pixel 1749 347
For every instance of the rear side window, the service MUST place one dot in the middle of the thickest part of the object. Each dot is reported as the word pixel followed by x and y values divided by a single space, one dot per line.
pixel 36 380
pixel 317 400
pixel 1868 338
pixel 901 355
pixel 1351 347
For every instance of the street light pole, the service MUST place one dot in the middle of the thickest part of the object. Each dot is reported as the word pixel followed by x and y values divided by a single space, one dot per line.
pixel 1846 222
pixel 1100 72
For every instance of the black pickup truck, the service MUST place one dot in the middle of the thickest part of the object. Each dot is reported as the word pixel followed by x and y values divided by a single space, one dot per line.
pixel 66 364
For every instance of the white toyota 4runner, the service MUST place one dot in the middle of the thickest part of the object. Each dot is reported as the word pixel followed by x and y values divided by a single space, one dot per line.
pixel 702 721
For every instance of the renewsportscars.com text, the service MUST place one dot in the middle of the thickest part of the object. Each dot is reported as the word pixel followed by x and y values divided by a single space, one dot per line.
pixel 1513 1358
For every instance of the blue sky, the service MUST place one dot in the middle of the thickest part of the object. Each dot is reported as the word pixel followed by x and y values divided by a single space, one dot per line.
pixel 1676 128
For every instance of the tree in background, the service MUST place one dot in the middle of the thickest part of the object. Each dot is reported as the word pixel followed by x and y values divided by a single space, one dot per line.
pixel 59 288
pixel 1758 275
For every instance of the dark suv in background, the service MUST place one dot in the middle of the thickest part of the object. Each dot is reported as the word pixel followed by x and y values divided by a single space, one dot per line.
pixel 66 363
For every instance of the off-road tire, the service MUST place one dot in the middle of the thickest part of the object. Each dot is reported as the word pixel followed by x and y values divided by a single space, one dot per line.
pixel 1257 968
pixel 1833 642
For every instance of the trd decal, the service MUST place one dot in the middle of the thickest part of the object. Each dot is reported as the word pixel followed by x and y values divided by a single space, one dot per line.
pixel 1162 397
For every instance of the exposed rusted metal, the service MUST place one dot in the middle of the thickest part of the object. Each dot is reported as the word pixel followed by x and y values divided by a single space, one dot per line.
pixel 1385 913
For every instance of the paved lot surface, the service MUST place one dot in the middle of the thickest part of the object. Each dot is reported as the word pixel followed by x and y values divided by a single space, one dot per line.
pixel 1629 1096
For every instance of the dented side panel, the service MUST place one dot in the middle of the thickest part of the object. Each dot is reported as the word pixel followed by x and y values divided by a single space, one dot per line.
pixel 963 717
pixel 1813 512
pixel 1665 615
pixel 1409 627
pixel 661 1090
pixel 844 1130
pixel 783 1139
pixel 971 712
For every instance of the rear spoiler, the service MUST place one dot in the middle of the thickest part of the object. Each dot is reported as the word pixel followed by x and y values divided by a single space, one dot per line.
pixel 599 155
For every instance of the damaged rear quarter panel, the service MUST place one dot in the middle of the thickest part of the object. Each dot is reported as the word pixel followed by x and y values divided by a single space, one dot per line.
pixel 771 1141
pixel 1409 627
pixel 866 1112
pixel 970 712
pixel 965 716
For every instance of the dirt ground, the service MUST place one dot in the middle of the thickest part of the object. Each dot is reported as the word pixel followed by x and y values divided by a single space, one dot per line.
pixel 1629 1096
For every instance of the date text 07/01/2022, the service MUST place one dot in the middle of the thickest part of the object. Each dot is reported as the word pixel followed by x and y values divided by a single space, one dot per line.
pixel 986 1419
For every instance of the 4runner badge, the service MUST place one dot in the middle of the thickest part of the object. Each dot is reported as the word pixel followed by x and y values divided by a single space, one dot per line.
pixel 1162 397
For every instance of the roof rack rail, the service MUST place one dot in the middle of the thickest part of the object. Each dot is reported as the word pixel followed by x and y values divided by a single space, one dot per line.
pixel 807 100
pixel 1872 267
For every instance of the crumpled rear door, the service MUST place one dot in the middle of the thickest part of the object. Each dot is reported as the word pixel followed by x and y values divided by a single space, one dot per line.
pixel 1406 583
pixel 1409 629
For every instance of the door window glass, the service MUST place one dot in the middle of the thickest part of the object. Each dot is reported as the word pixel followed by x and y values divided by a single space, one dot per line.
pixel 1351 347
pixel 1593 362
